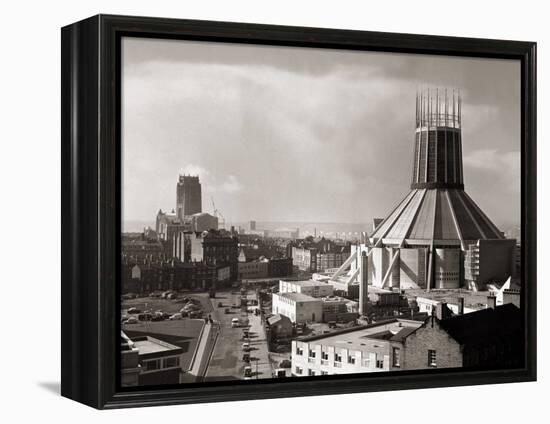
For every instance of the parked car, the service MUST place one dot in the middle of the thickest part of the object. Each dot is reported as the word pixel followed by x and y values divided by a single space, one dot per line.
pixel 176 316
pixel 227 310
pixel 145 317
pixel 220 305
pixel 195 314
pixel 134 310
pixel 246 346
pixel 131 320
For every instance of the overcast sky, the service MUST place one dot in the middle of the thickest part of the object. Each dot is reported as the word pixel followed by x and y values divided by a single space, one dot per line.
pixel 296 134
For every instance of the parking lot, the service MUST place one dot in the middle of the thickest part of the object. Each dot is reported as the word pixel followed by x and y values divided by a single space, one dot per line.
pixel 182 332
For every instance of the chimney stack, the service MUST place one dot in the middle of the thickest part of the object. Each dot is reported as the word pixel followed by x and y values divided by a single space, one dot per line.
pixel 442 311
pixel 460 306
pixel 491 302
pixel 363 283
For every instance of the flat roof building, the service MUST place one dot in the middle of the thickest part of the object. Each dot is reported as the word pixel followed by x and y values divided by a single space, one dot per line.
pixel 298 307
pixel 312 288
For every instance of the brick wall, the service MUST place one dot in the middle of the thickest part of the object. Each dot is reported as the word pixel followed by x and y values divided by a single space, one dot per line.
pixel 428 337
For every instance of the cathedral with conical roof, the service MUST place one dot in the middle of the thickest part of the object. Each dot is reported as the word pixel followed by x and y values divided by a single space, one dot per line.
pixel 437 237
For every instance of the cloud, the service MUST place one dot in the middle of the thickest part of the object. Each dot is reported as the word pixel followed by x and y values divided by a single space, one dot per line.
pixel 283 133
pixel 493 160
pixel 232 185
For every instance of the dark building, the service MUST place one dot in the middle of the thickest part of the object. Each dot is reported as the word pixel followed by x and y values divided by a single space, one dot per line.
pixel 146 276
pixel 216 248
pixel 280 267
pixel 141 248
pixel 279 327
pixel 489 338
pixel 189 196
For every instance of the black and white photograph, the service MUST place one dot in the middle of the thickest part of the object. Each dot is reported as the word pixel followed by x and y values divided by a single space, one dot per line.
pixel 292 212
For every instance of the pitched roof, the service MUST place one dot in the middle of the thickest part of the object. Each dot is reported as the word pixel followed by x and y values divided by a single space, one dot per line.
pixel 484 325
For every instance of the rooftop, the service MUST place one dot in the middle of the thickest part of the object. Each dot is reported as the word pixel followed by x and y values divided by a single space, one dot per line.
pixel 370 337
pixel 440 215
pixel 306 283
pixel 472 299
pixel 298 297
pixel 484 325
pixel 149 344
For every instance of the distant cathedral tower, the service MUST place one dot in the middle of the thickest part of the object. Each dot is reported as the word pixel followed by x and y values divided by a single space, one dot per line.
pixel 189 197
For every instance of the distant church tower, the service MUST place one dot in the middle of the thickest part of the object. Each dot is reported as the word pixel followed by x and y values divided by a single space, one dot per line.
pixel 189 197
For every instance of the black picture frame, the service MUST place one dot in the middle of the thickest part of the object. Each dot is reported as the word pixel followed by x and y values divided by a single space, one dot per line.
pixel 91 173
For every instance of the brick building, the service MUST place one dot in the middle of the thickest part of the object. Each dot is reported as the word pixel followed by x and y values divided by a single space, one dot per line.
pixel 487 339
pixel 216 248
pixel 147 276
pixel 314 255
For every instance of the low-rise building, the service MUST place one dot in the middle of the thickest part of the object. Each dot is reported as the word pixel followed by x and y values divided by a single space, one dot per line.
pixel 279 327
pixel 129 362
pixel 311 288
pixel 337 309
pixel 253 269
pixel 159 362
pixel 488 339
pixel 369 348
pixel 314 255
pixel 298 307
pixel 146 276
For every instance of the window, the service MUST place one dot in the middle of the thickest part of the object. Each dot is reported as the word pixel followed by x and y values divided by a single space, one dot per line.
pixel 432 358
pixel 379 363
pixel 324 372
pixel 299 370
pixel 396 357
pixel 311 372
pixel 324 355
pixel 311 353
pixel 299 351
pixel 151 365
pixel 351 359
pixel 172 362
pixel 337 358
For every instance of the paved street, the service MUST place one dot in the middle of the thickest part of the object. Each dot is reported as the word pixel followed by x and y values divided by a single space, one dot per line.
pixel 226 362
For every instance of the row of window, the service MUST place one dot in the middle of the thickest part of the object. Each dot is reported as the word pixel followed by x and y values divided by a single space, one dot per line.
pixel 350 358
pixel 158 364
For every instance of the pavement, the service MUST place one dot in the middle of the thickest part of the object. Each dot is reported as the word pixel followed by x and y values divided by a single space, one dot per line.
pixel 226 360
pixel 201 359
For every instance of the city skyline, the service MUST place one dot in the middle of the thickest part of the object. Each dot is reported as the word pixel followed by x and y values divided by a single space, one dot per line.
pixel 279 164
